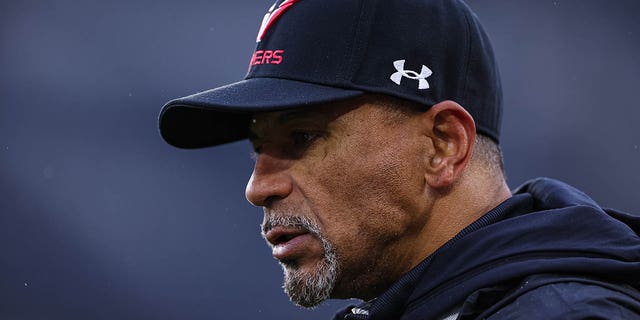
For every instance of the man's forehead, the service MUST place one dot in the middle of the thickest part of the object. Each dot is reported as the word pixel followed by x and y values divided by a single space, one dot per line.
pixel 323 113
pixel 264 122
pixel 284 116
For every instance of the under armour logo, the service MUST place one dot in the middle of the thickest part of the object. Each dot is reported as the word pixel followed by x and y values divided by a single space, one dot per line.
pixel 273 15
pixel 422 77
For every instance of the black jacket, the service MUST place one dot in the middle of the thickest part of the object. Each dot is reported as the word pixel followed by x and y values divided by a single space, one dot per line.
pixel 548 252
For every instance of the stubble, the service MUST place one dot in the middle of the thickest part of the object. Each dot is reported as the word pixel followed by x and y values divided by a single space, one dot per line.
pixel 307 288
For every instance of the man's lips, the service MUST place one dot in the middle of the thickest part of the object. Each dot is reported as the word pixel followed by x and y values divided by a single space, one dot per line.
pixel 287 243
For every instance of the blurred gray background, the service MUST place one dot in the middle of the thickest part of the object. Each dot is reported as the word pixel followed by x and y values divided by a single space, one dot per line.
pixel 100 219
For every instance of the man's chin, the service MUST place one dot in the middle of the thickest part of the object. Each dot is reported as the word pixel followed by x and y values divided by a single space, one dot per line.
pixel 309 287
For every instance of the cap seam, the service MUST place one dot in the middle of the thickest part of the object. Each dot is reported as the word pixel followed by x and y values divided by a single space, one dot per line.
pixel 358 43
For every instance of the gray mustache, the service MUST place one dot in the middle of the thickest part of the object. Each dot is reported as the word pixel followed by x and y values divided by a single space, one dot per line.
pixel 300 222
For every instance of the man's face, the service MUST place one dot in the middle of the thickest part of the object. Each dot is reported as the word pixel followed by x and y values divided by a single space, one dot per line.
pixel 344 197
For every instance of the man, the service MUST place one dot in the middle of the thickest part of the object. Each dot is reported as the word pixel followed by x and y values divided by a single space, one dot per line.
pixel 375 126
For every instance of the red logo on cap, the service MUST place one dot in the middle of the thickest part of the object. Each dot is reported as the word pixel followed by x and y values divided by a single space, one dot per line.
pixel 273 15
pixel 266 57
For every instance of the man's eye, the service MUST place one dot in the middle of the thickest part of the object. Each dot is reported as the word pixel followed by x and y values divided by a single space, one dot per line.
pixel 303 138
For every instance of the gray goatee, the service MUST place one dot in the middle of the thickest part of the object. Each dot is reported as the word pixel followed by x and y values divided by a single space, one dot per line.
pixel 306 288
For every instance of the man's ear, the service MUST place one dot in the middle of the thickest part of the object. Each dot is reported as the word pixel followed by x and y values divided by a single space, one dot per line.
pixel 452 131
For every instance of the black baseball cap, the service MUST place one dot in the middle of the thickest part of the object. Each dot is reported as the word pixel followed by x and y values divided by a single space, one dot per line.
pixel 313 52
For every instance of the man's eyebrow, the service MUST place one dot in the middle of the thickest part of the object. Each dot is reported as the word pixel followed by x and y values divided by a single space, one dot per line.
pixel 281 119
pixel 285 117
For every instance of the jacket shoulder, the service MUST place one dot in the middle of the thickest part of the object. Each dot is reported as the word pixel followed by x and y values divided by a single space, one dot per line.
pixel 555 297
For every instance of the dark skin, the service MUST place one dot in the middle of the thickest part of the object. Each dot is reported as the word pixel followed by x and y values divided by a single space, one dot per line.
pixel 385 193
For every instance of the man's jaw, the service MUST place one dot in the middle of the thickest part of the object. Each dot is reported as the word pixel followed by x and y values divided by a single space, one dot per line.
pixel 307 258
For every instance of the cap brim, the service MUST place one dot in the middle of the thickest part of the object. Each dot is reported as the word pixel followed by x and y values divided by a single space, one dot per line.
pixel 222 115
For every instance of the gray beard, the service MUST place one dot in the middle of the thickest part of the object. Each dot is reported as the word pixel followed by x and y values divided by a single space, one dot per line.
pixel 307 289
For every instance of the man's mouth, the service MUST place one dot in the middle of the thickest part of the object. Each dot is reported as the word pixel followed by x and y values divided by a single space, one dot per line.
pixel 279 235
pixel 287 243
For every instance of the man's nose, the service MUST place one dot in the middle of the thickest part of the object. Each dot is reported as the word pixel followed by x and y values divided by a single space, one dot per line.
pixel 269 181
